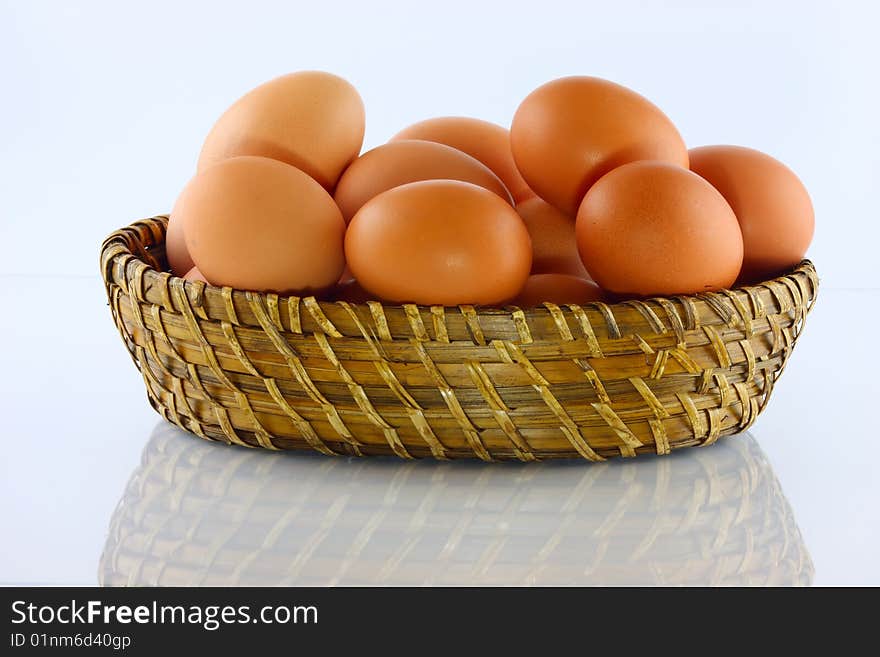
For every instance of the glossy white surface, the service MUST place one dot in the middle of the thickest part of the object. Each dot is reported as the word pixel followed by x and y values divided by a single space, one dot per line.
pixel 79 437
pixel 196 515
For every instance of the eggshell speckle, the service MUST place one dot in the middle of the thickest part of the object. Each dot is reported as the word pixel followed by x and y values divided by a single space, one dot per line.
pixel 569 132
pixel 770 202
pixel 311 120
pixel 442 242
pixel 401 162
pixel 258 224
pixel 488 142
pixel 649 228
pixel 554 246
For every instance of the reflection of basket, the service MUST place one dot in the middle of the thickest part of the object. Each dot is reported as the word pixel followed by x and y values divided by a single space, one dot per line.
pixel 200 514
pixel 593 381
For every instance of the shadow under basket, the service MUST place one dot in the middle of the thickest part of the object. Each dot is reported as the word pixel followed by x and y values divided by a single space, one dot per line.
pixel 591 381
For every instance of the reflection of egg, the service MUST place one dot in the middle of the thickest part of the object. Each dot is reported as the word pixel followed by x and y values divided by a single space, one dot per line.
pixel 312 120
pixel 770 202
pixel 487 142
pixel 401 162
pixel 558 289
pixel 653 228
pixel 259 224
pixel 569 132
pixel 554 247
pixel 441 242
pixel 179 260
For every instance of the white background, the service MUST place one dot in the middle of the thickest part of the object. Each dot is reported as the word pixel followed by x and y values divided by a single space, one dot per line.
pixel 103 106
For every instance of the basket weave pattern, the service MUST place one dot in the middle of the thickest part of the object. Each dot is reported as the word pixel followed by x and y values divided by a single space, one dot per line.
pixel 589 381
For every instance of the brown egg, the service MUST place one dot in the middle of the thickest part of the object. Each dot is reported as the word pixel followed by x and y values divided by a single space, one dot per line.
pixel 312 120
pixel 179 260
pixel 558 289
pixel 650 228
pixel 401 162
pixel 439 242
pixel 195 275
pixel 554 247
pixel 258 224
pixel 772 205
pixel 488 142
pixel 569 132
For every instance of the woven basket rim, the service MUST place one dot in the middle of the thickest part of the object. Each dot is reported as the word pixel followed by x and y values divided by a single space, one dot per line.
pixel 629 377
pixel 125 248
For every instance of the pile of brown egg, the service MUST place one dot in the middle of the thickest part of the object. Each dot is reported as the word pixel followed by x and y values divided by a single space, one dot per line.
pixel 592 194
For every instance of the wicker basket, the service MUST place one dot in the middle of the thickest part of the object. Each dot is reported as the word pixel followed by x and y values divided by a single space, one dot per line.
pixel 594 381
pixel 201 514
